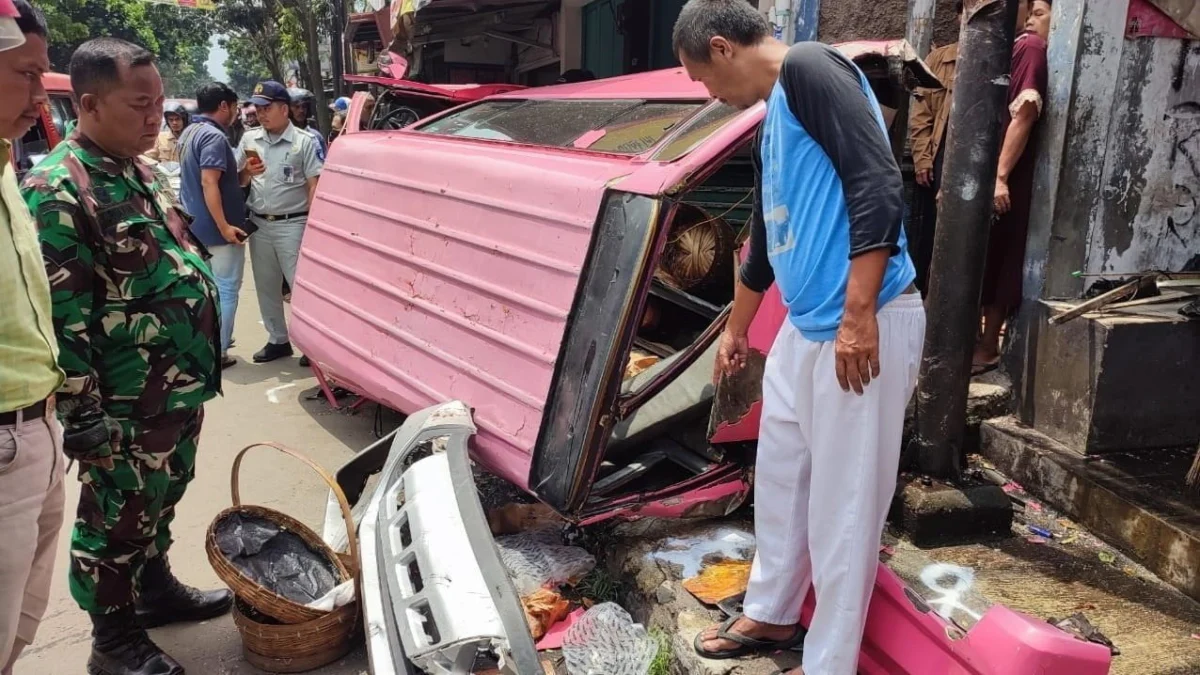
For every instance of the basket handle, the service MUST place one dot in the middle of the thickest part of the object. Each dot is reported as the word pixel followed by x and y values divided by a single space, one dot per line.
pixel 351 536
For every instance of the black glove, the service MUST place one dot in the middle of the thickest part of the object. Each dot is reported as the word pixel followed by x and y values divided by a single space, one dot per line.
pixel 89 435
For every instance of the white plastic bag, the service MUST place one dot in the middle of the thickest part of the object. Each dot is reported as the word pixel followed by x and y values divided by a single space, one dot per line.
pixel 606 641
pixel 340 596
pixel 539 560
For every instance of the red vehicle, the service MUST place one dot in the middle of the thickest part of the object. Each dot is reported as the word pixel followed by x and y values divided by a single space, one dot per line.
pixel 51 128
pixel 404 102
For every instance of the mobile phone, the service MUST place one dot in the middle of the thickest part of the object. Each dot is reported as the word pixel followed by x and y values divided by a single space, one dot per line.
pixel 251 153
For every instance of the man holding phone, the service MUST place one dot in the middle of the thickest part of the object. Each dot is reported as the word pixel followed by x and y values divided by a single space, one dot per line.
pixel 211 192
pixel 278 204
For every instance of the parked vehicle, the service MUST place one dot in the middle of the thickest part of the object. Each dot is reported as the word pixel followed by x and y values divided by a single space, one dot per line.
pixel 404 102
pixel 52 126
pixel 560 260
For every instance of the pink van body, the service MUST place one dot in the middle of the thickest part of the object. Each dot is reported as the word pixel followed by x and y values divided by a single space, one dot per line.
pixel 439 268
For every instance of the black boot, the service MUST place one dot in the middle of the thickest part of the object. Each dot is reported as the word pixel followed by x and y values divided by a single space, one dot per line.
pixel 273 351
pixel 120 647
pixel 164 599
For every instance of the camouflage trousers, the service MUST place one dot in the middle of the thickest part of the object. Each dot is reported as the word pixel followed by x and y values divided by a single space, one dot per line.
pixel 124 516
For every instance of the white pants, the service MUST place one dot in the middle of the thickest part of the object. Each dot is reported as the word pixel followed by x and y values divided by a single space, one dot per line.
pixel 825 476
pixel 274 250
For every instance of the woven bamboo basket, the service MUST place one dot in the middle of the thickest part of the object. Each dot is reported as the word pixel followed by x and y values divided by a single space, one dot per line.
pixel 295 648
pixel 251 592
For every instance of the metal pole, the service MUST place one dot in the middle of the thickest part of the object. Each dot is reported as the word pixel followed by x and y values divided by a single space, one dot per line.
pixel 964 222
pixel 919 32
pixel 337 47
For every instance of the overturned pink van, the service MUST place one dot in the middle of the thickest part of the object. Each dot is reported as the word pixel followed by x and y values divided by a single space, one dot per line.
pixel 537 279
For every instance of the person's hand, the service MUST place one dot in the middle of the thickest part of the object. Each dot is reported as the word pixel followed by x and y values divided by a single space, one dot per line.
pixel 90 436
pixel 233 235
pixel 255 167
pixel 731 354
pixel 1002 201
pixel 925 177
pixel 856 351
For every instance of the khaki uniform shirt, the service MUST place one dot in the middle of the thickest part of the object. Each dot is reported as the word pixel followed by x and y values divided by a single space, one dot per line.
pixel 166 148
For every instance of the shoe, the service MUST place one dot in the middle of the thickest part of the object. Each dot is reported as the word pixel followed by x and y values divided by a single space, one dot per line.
pixel 165 599
pixel 121 647
pixel 304 362
pixel 232 341
pixel 272 352
pixel 228 361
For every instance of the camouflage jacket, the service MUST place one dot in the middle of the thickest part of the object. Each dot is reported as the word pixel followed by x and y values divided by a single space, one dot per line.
pixel 135 304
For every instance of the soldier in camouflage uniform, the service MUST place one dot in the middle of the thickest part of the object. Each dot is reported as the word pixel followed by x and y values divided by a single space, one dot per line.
pixel 136 316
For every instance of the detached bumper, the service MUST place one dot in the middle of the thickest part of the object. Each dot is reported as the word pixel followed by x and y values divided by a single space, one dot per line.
pixel 434 591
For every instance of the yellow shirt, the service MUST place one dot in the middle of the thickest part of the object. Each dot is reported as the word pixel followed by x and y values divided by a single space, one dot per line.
pixel 28 350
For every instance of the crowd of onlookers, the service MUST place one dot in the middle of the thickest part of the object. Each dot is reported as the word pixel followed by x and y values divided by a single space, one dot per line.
pixel 1013 194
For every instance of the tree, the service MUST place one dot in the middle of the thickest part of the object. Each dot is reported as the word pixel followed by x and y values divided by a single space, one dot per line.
pixel 278 32
pixel 178 37
pixel 244 65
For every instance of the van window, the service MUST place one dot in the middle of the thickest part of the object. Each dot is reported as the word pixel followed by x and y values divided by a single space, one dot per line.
pixel 61 112
pixel 627 127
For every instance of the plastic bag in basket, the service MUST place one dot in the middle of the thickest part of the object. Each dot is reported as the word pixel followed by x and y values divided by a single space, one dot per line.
pixel 539 560
pixel 606 641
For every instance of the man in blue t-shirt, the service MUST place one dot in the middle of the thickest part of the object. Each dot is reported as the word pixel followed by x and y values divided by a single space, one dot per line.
pixel 828 231
pixel 211 192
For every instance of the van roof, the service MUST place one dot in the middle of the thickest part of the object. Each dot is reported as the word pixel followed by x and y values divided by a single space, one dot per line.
pixel 56 82
pixel 657 85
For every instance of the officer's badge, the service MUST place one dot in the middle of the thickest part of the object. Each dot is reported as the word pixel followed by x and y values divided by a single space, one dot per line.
pixel 258 89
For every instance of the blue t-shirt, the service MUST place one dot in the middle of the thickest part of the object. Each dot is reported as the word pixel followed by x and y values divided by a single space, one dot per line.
pixel 829 190
pixel 207 147
pixel 322 148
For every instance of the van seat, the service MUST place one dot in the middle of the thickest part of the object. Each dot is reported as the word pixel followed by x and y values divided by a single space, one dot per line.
pixel 689 396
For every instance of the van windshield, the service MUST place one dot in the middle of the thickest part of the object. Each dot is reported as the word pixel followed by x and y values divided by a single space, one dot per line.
pixel 627 127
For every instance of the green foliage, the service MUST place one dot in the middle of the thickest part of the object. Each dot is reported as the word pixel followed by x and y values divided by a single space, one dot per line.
pixel 178 37
pixel 661 665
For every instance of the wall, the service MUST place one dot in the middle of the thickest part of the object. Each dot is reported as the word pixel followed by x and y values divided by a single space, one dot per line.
pixel 846 20
pixel 1147 216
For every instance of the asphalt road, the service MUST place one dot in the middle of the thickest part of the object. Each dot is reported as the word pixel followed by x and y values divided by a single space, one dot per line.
pixel 261 402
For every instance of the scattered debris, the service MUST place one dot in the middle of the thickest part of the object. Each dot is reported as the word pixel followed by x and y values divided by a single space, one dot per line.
pixel 691 554
pixel 1036 540
pixel 639 361
pixel 553 639
pixel 1107 557
pixel 1041 531
pixel 516 518
pixel 537 560
pixel 543 609
pixel 1078 625
pixel 606 640
pixel 720 580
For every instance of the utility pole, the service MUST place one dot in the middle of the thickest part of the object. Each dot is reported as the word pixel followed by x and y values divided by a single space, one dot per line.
pixel 964 223
pixel 919 32
pixel 337 48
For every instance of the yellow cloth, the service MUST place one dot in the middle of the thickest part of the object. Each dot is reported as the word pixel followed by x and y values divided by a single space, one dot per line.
pixel 28 351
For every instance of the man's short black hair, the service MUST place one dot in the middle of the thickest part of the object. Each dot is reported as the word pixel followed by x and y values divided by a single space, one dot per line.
pixel 31 21
pixel 210 97
pixel 702 20
pixel 96 64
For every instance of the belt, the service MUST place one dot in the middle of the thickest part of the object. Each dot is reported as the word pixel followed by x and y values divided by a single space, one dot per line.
pixel 29 413
pixel 286 216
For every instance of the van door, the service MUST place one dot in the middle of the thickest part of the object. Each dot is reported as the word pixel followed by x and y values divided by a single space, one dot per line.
pixel 356 117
